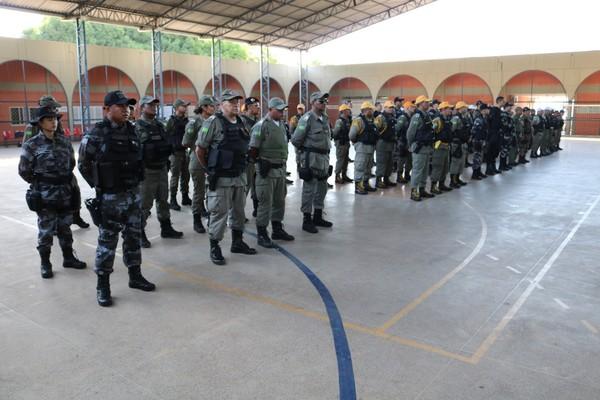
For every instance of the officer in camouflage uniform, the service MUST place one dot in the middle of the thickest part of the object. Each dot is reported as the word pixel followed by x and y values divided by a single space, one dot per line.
pixel 517 133
pixel 506 136
pixel 206 107
pixel 364 133
pixel 341 131
pixel 156 151
pixel 385 145
pixel 403 160
pixel 179 160
pixel 312 138
pixel 545 144
pixel 110 161
pixel 47 163
pixel 250 117
pixel 420 138
pixel 269 149
pixel 560 123
pixel 222 149
pixel 459 148
pixel 479 135
pixel 525 137
pixel 538 131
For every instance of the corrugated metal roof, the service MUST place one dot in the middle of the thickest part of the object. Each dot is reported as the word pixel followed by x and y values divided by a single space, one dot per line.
pixel 294 24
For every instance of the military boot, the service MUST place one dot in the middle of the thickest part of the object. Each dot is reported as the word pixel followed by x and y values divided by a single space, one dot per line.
pixel 255 207
pixel 388 182
pixel 263 237
pixel 454 182
pixel 145 242
pixel 460 181
pixel 425 194
pixel 359 188
pixel 45 265
pixel 198 227
pixel 173 202
pixel 167 231
pixel 503 166
pixel 442 186
pixel 368 186
pixel 434 188
pixel 279 233
pixel 489 170
pixel 380 183
pixel 308 225
pixel 338 179
pixel 476 175
pixel 346 178
pixel 415 195
pixel 319 221
pixel 77 220
pixel 71 261
pixel 216 256
pixel 185 200
pixel 103 291
pixel 137 280
pixel 238 245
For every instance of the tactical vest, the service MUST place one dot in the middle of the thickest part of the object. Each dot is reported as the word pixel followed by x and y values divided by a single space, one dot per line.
pixel 118 163
pixel 465 131
pixel 176 136
pixel 229 158
pixel 404 128
pixel 369 135
pixel 445 135
pixel 156 149
pixel 526 126
pixel 479 130
pixel 390 134
pixel 343 135
pixel 424 135
pixel 248 122
pixel 274 145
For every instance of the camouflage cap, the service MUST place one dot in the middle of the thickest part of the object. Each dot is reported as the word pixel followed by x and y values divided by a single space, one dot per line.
pixel 48 101
pixel 229 95
pixel 149 100
pixel 180 102
pixel 44 112
pixel 318 96
pixel 277 104
pixel 207 100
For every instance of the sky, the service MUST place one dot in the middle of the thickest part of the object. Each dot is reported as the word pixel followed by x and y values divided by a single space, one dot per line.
pixel 442 29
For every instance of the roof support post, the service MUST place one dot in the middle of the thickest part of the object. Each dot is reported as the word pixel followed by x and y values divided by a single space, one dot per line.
pixel 217 77
pixel 265 84
pixel 157 75
pixel 302 81
pixel 84 82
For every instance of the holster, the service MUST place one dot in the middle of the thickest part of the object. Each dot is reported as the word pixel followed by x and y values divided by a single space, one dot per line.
pixel 305 173
pixel 264 167
pixel 212 182
pixel 33 197
pixel 94 206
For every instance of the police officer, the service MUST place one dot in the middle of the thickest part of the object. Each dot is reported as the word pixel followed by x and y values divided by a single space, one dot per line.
pixel 479 135
pixel 47 163
pixel 525 138
pixel 440 157
pixel 312 137
pixel 250 116
pixel 341 139
pixel 404 160
pixel 493 140
pixel 179 161
pixel 293 124
pixel 560 126
pixel 420 138
pixel 517 134
pixel 461 129
pixel 434 109
pixel 364 133
pixel 538 132
pixel 269 148
pixel 385 145
pixel 398 103
pixel 222 150
pixel 206 107
pixel 110 161
pixel 506 136
pixel 156 150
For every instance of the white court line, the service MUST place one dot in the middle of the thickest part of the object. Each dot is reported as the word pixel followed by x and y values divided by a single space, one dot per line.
pixel 560 303
pixel 19 222
pixel 581 212
pixel 590 327
pixel 536 284
pixel 516 271
pixel 460 242
pixel 491 257
pixel 154 237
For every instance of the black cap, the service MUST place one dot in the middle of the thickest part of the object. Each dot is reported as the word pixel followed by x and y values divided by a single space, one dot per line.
pixel 483 106
pixel 250 100
pixel 526 109
pixel 117 97
pixel 398 99
pixel 435 101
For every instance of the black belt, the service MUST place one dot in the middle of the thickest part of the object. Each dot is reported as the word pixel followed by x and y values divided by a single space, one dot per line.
pixel 277 165
pixel 63 180
pixel 315 150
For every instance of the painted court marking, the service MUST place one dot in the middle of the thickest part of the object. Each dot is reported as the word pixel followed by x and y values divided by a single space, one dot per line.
pixel 491 257
pixel 516 271
pixel 460 242
pixel 590 327
pixel 561 303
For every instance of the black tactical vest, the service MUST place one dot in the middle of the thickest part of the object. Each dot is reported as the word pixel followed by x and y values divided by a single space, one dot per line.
pixel 445 135
pixel 156 148
pixel 343 135
pixel 229 158
pixel 390 134
pixel 369 135
pixel 176 137
pixel 425 135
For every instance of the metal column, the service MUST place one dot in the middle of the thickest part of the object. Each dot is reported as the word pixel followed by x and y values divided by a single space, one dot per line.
pixel 215 57
pixel 302 82
pixel 84 82
pixel 157 77
pixel 265 84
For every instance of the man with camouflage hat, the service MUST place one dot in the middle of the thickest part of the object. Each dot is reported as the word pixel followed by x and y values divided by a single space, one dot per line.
pixel 312 138
pixel 341 139
pixel 385 145
pixel 364 133
pixel 403 160
pixel 179 161
pixel 269 150
pixel 420 138
pixel 222 150
pixel 205 109
pixel 110 161
pixel 156 151
pixel 47 163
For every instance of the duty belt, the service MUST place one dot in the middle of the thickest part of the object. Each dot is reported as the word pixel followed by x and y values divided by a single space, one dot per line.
pixel 54 180
pixel 315 150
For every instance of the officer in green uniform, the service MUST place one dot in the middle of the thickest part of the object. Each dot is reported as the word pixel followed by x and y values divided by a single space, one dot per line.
pixel 179 161
pixel 538 133
pixel 440 157
pixel 250 116
pixel 545 144
pixel 420 138
pixel 206 107
pixel 404 160
pixel 459 148
pixel 222 150
pixel 269 150
pixel 364 133
pixel 156 151
pixel 517 119
pixel 525 137
pixel 312 138
pixel 385 145
pixel 341 130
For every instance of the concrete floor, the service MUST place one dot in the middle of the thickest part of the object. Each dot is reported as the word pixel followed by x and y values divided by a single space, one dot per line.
pixel 490 292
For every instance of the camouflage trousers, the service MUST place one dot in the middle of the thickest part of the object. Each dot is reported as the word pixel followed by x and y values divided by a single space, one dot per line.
pixel 179 172
pixel 121 213
pixel 52 223
pixel 505 146
pixel 478 146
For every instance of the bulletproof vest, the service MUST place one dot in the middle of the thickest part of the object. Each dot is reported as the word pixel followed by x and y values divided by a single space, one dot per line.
pixel 445 134
pixel 390 134
pixel 369 135
pixel 229 158
pixel 480 127
pixel 424 135
pixel 248 122
pixel 404 129
pixel 465 130
pixel 156 148
pixel 176 136
pixel 274 145
pixel 526 126
pixel 118 163
pixel 343 135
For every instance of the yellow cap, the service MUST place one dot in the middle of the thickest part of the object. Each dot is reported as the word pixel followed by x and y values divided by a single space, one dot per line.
pixel 407 105
pixel 445 104
pixel 344 107
pixel 388 103
pixel 367 104
pixel 421 99
pixel 461 104
pixel 300 106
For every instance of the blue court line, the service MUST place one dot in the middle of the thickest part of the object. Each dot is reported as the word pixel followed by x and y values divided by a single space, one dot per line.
pixel 340 341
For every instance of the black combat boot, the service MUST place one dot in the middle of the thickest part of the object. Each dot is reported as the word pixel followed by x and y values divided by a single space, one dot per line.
pixel 279 233
pixel 173 202
pixel 319 221
pixel 454 182
pixel 380 183
pixel 425 194
pixel 490 170
pixel 167 231
pixel 368 186
pixel 415 195
pixel 198 227
pixel 103 291
pixel 77 220
pixel 263 237
pixel 359 188
pixel 338 179
pixel 137 280
pixel 434 188
pixel 308 225
pixel 460 181
pixel 216 256
pixel 238 245
pixel 145 242
pixel 255 207
pixel 346 178
pixel 442 186
pixel 71 261
pixel 388 182
pixel 476 175
pixel 46 265
pixel 185 200
pixel 503 166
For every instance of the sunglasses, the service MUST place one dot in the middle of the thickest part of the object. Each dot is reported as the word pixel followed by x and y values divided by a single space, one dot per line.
pixel 323 101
